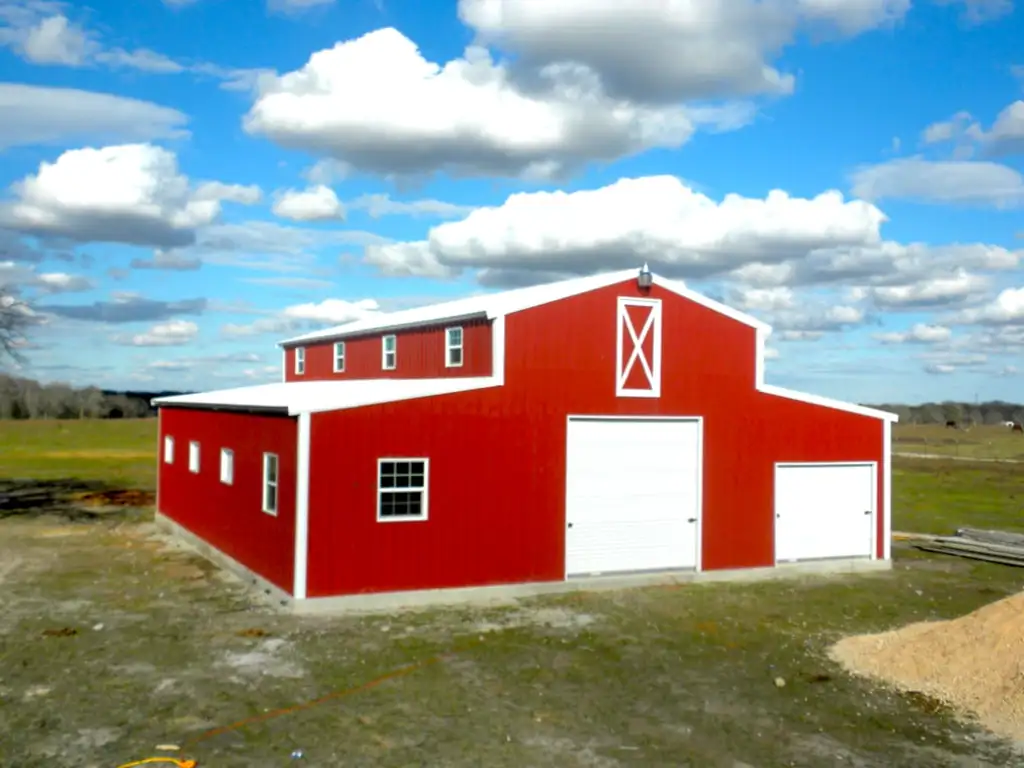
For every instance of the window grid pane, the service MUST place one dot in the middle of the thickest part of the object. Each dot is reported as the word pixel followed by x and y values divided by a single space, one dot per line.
pixel 402 487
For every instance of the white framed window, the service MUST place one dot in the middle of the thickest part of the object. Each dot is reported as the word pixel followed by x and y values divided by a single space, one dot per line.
pixel 453 347
pixel 270 479
pixel 227 466
pixel 193 456
pixel 389 352
pixel 339 357
pixel 402 489
pixel 300 361
pixel 168 449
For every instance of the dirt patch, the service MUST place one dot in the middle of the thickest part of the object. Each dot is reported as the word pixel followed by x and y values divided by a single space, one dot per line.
pixel 68 499
pixel 115 498
pixel 974 663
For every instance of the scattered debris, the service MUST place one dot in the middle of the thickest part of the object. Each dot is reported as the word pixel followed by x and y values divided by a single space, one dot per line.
pixel 973 664
pixel 168 748
pixel 62 632
pixel 976 544
pixel 780 682
pixel 253 632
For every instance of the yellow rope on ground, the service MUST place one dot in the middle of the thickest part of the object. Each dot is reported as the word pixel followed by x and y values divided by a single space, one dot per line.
pixel 172 760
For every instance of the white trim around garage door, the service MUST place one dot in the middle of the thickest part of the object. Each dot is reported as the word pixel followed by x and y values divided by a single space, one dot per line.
pixel 698 567
pixel 874 497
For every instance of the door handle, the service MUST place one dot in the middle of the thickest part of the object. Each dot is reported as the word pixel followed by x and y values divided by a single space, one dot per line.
pixel 867 511
pixel 570 525
pixel 692 520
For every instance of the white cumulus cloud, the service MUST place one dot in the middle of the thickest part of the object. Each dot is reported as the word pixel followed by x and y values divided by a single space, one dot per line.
pixel 317 203
pixel 377 105
pixel 129 193
pixel 170 334
pixel 941 181
pixel 919 333
pixel 667 51
pixel 657 219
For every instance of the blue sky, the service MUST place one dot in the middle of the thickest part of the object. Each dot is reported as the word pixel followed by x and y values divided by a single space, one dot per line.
pixel 185 182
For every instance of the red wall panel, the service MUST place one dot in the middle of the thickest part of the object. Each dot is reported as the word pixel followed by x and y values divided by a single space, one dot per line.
pixel 497 456
pixel 421 354
pixel 230 517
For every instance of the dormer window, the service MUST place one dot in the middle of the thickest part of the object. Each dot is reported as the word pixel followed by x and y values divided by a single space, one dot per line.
pixel 389 352
pixel 453 347
pixel 300 361
pixel 339 357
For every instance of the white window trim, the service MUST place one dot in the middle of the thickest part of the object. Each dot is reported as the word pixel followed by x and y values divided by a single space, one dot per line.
pixel 425 490
pixel 168 449
pixel 267 484
pixel 449 347
pixel 384 353
pixel 227 462
pixel 194 459
pixel 339 345
pixel 300 361
pixel 651 368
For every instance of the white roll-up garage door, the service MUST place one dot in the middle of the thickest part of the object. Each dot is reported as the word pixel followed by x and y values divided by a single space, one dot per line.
pixel 824 511
pixel 632 495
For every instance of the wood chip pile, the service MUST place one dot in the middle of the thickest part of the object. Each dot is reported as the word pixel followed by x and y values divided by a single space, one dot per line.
pixel 974 663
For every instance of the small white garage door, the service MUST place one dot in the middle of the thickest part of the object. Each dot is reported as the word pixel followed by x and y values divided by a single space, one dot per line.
pixel 824 511
pixel 632 495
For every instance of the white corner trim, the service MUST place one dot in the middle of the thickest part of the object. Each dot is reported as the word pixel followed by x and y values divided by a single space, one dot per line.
pixel 886 479
pixel 761 340
pixel 498 350
pixel 284 364
pixel 826 402
pixel 301 506
pixel 160 454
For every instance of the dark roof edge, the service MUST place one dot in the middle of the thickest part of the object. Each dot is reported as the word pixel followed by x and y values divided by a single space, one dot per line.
pixel 260 410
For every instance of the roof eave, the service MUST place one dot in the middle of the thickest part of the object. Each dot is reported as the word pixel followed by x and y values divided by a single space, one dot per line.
pixel 356 332
pixel 258 410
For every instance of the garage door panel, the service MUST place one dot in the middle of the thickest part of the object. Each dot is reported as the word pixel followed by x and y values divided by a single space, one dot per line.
pixel 632 488
pixel 824 511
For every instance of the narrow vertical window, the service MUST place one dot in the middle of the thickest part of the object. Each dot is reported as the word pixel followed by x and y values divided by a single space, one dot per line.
pixel 453 347
pixel 300 361
pixel 168 449
pixel 193 456
pixel 339 357
pixel 389 350
pixel 270 483
pixel 227 466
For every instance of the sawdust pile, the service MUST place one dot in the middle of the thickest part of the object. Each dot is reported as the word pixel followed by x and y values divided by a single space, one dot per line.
pixel 974 664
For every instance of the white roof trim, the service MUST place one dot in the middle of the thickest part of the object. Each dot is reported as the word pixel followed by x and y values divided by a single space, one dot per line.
pixel 494 305
pixel 298 397
pixel 803 397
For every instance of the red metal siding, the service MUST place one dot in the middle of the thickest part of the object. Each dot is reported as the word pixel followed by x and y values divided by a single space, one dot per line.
pixel 497 456
pixel 230 517
pixel 421 355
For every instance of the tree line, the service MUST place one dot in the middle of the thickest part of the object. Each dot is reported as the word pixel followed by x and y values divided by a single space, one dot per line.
pixel 963 413
pixel 22 398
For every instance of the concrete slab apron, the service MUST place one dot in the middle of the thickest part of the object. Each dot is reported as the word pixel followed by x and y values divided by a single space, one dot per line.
pixel 506 593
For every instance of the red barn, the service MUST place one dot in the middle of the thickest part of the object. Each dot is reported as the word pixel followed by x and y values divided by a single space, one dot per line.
pixel 613 426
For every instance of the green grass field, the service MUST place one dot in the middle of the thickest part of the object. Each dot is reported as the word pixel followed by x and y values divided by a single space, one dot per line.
pixel 121 452
pixel 929 495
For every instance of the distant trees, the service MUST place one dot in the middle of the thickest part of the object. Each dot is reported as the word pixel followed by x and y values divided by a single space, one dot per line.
pixel 22 398
pixel 966 414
